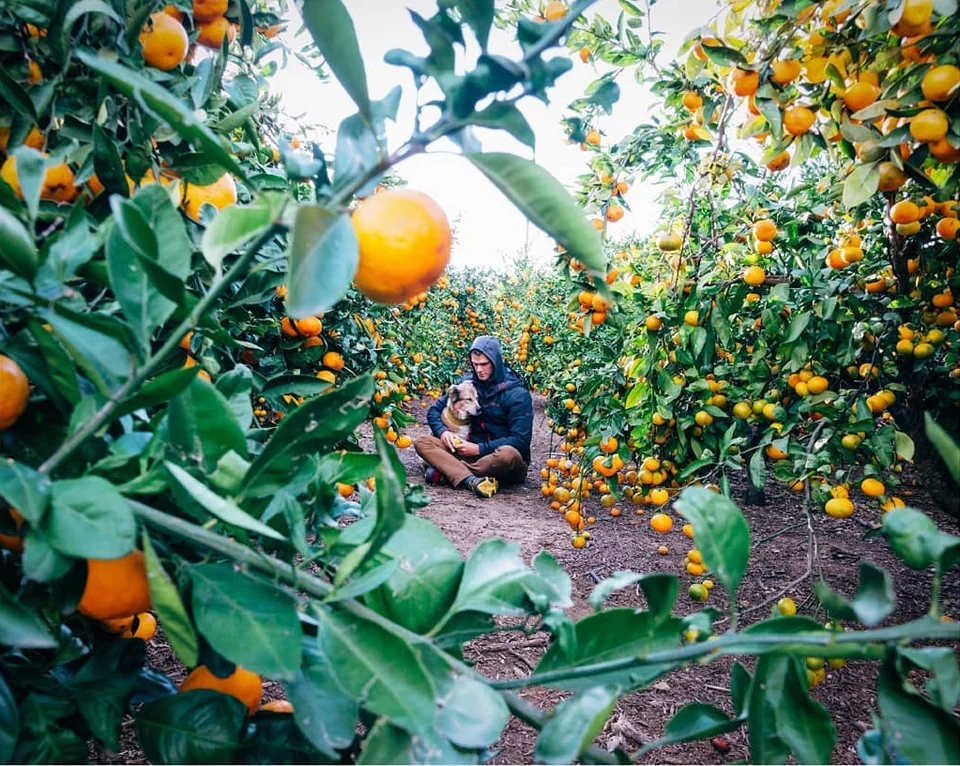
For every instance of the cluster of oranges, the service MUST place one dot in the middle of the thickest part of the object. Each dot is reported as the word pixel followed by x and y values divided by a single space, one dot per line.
pixel 164 40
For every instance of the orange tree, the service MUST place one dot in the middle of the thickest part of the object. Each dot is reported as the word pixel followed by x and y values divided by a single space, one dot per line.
pixel 810 323
pixel 175 443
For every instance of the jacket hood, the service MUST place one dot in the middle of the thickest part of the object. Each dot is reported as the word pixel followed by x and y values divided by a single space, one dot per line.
pixel 490 348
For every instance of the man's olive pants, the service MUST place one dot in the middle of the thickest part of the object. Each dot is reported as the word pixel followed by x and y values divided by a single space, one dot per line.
pixel 504 463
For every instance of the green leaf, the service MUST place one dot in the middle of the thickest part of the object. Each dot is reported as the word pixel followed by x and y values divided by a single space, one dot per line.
pixel 225 510
pixel 159 390
pixel 425 584
pixel 541 198
pixel 324 713
pixel 108 164
pixel 874 600
pixel 331 28
pixel 202 427
pixel 504 115
pixel 614 634
pixel 104 686
pixel 89 519
pixel 172 614
pixel 379 667
pixel 164 105
pixel 758 469
pixel 797 325
pixel 76 10
pixel 496 581
pixel 721 531
pixel 18 253
pixel 479 16
pixel 200 726
pixel 661 589
pixel 323 259
pixel 387 743
pixel 391 508
pixel 359 586
pixel 40 561
pixel 16 97
pixel 944 687
pixel 21 627
pixel 723 55
pixel 61 383
pixel 362 143
pixel 695 721
pixel 574 725
pixel 314 426
pixel 236 387
pixel 347 467
pixel 915 538
pixel 905 446
pixel 739 687
pixel 553 575
pixel 247 620
pixel 861 185
pixel 31 166
pixel 91 340
pixel 233 227
pixel 918 730
pixel 9 722
pixel 43 737
pixel 472 715
pixel 945 446
pixel 783 718
pixel 131 240
pixel 24 489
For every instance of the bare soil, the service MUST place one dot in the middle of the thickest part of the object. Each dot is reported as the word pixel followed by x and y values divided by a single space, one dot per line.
pixel 522 516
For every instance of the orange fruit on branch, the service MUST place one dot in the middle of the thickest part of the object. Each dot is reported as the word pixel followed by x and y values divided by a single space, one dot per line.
pixel 163 42
pixel 208 10
pixel 941 82
pixel 929 126
pixel 221 193
pixel 115 587
pixel 14 392
pixel 13 542
pixel 785 71
pixel 212 33
pixel 797 120
pixel 404 240
pixel 242 684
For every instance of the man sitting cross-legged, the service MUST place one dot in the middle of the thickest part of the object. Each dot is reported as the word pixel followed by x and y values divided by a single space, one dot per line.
pixel 498 447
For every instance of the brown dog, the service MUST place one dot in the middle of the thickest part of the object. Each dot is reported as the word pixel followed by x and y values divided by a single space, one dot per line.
pixel 463 404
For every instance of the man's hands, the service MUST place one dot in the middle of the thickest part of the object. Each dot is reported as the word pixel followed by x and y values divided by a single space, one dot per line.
pixel 450 439
pixel 468 449
pixel 458 446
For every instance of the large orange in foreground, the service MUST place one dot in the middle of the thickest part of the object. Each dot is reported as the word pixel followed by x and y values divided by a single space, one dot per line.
pixel 116 587
pixel 14 392
pixel 404 240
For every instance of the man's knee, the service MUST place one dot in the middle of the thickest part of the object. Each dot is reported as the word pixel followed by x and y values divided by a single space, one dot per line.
pixel 509 456
pixel 425 443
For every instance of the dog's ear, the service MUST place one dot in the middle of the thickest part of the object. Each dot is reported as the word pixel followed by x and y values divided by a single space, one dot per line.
pixel 453 393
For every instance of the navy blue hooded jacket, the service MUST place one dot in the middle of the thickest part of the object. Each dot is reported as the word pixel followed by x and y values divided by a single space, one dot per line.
pixel 506 407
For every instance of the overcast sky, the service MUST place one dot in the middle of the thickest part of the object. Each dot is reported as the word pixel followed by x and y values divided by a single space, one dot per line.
pixel 489 229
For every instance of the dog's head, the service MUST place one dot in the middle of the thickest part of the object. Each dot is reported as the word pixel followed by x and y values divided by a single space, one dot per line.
pixel 463 400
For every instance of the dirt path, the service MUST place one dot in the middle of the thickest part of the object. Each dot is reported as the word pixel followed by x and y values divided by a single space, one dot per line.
pixel 521 515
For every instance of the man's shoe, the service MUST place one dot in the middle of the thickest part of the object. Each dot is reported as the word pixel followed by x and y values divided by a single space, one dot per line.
pixel 433 476
pixel 484 487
